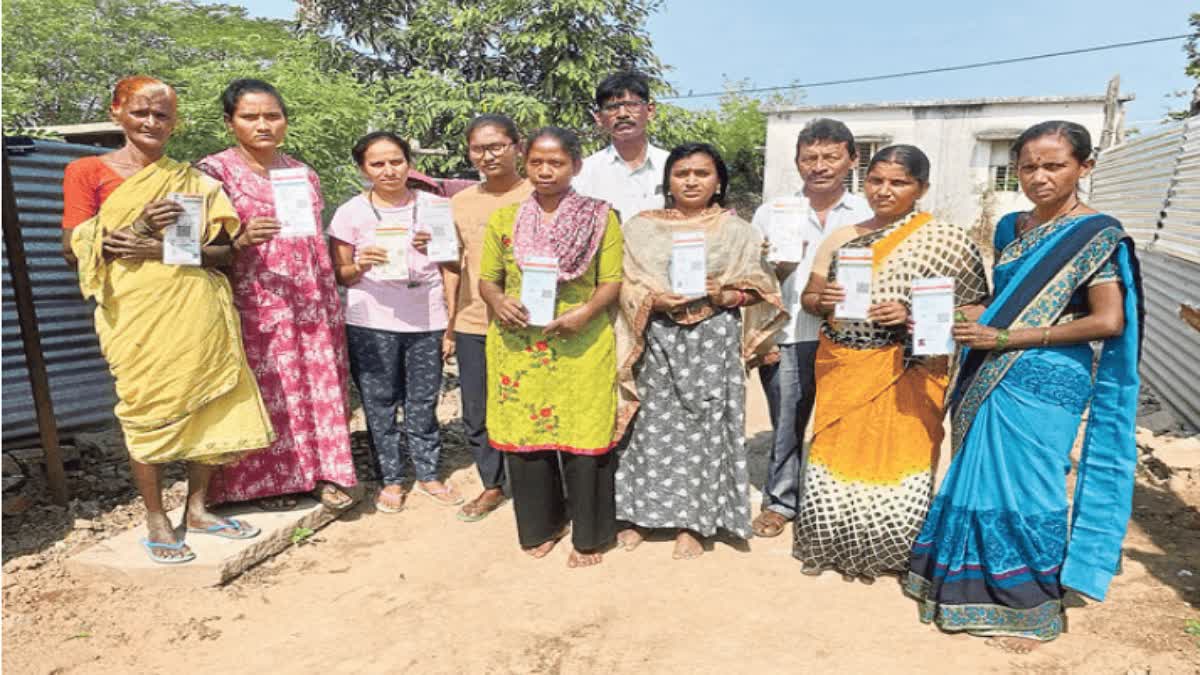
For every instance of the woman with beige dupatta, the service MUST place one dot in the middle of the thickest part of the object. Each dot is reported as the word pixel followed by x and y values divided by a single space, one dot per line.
pixel 681 361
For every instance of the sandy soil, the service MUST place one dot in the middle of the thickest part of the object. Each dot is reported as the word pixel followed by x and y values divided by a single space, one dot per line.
pixel 420 591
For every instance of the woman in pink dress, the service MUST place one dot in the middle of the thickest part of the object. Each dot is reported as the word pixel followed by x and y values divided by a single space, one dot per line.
pixel 292 321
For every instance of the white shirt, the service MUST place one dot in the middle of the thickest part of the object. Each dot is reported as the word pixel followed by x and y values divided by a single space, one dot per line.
pixel 851 209
pixel 630 191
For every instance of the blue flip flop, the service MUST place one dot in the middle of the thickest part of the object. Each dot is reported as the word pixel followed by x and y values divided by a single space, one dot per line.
pixel 150 547
pixel 229 528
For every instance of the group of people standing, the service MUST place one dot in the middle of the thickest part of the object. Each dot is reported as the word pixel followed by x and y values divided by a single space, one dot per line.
pixel 622 411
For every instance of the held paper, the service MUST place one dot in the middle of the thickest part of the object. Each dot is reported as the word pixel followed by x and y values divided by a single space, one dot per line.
pixel 293 203
pixel 443 242
pixel 854 274
pixel 933 316
pixel 181 239
pixel 392 237
pixel 688 268
pixel 539 288
pixel 787 222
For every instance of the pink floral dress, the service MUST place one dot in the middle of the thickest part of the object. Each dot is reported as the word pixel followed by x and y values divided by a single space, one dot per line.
pixel 295 342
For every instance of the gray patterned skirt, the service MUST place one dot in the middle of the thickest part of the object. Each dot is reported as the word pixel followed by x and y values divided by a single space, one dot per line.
pixel 685 463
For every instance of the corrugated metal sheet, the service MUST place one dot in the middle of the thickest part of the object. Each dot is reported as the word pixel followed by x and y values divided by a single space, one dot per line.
pixel 1131 181
pixel 1179 232
pixel 80 384
pixel 1171 348
pixel 1152 184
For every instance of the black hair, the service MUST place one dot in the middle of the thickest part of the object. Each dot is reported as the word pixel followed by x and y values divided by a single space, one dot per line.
pixel 1073 133
pixel 359 151
pixel 504 122
pixel 620 82
pixel 825 129
pixel 239 88
pixel 565 137
pixel 687 150
pixel 908 156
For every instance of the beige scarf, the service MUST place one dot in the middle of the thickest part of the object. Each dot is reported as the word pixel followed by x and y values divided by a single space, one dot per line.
pixel 734 258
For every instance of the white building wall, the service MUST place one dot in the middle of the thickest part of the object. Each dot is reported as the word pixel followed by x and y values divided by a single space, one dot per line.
pixel 957 137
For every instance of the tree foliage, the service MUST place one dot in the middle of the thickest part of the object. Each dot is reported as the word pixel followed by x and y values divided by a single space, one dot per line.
pixel 440 62
pixel 196 48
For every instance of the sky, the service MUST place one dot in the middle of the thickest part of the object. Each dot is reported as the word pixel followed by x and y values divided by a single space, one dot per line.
pixel 779 42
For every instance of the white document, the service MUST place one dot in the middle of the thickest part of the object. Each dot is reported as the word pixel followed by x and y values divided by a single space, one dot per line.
pixel 539 288
pixel 786 224
pixel 854 274
pixel 293 203
pixel 394 238
pixel 688 266
pixel 182 239
pixel 933 316
pixel 443 242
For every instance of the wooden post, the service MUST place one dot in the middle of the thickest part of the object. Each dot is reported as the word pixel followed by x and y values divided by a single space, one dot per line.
pixel 14 249
pixel 1111 134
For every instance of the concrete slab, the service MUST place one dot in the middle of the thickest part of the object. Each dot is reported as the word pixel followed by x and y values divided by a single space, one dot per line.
pixel 123 560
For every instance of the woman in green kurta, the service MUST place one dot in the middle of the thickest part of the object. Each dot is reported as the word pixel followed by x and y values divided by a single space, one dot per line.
pixel 552 388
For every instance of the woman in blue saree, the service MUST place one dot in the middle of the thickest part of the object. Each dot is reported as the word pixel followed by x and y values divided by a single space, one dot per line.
pixel 998 548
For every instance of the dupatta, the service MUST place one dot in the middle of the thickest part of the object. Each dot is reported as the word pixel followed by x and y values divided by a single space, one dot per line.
pixel 733 258
pixel 1036 278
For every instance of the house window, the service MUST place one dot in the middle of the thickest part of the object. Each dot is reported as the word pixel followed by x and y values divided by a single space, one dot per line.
pixel 1002 170
pixel 858 172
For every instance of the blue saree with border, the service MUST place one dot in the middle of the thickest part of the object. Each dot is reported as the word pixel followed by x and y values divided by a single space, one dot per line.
pixel 1000 544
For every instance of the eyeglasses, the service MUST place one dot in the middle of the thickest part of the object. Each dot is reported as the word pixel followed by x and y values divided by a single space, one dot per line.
pixel 634 105
pixel 495 149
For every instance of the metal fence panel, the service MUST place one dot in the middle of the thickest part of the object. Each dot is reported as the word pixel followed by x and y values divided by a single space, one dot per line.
pixel 1131 181
pixel 80 384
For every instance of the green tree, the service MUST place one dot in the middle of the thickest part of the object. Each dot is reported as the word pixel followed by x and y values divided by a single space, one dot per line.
pixel 442 61
pixel 198 49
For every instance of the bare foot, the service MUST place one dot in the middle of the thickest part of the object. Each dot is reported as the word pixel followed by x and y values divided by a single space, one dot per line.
pixel 630 538
pixel 768 524
pixel 687 546
pixel 543 549
pixel 159 531
pixel 197 516
pixel 580 559
pixel 1014 645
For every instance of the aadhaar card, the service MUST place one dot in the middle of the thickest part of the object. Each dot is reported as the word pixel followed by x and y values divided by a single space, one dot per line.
pixel 394 238
pixel 688 268
pixel 443 242
pixel 539 288
pixel 784 231
pixel 933 316
pixel 854 274
pixel 293 202
pixel 181 239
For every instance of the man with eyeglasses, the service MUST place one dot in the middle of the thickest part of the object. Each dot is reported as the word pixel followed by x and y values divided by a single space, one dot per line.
pixel 825 154
pixel 628 173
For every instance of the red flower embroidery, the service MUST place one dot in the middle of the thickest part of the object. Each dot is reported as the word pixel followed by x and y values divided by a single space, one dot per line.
pixel 533 417
pixel 516 384
pixel 545 362
pixel 529 349
pixel 504 379
pixel 546 412
pixel 542 346
pixel 505 241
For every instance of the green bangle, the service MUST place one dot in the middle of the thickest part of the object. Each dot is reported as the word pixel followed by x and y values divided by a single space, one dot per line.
pixel 1002 338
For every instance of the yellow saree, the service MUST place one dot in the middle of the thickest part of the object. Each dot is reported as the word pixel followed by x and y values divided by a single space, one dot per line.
pixel 170 333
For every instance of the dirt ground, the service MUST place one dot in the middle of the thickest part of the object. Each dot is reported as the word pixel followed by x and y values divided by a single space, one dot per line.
pixel 422 592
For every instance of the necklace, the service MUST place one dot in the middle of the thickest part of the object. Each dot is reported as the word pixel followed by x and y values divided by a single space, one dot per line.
pixel 1027 224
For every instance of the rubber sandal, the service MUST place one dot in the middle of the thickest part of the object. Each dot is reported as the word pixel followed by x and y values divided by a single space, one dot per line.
pixel 436 496
pixel 228 528
pixel 765 528
pixel 380 506
pixel 475 518
pixel 327 495
pixel 151 546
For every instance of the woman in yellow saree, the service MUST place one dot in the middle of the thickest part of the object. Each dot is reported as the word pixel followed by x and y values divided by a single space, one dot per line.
pixel 878 419
pixel 169 332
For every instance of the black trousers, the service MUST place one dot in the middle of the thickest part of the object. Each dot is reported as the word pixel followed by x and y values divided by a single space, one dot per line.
pixel 547 497
pixel 472 378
